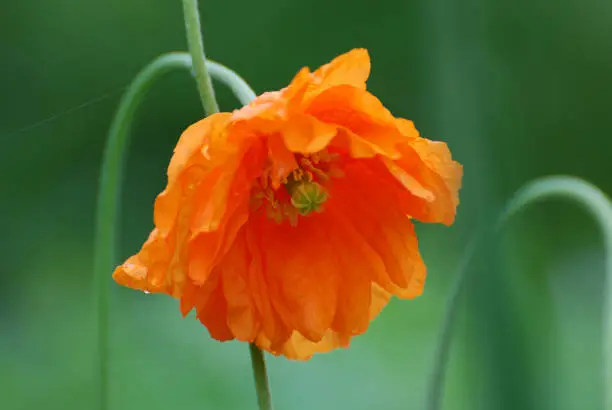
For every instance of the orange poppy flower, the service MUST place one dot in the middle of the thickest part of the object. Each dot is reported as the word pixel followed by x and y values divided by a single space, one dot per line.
pixel 288 223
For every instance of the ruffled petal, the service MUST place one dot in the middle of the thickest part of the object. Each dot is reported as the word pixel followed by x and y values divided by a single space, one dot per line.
pixel 369 125
pixel 307 286
pixel 358 263
pixel 148 269
pixel 431 179
pixel 162 263
pixel 352 68
pixel 208 249
pixel 211 308
pixel 274 332
pixel 299 347
pixel 281 158
pixel 192 140
pixel 242 315
pixel 222 208
pixel 371 206
pixel 306 134
pixel 228 185
pixel 380 298
pixel 187 154
pixel 437 158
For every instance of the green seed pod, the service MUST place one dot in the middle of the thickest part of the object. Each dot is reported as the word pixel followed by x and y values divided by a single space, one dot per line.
pixel 307 197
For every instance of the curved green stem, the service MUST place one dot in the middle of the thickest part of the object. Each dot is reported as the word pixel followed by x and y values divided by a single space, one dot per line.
pixel 264 399
pixel 597 204
pixel 196 49
pixel 109 195
pixel 241 90
pixel 109 191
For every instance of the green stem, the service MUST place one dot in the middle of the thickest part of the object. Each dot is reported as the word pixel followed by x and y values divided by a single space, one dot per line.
pixel 262 388
pixel 196 49
pixel 207 95
pixel 109 195
pixel 241 90
pixel 109 190
pixel 597 204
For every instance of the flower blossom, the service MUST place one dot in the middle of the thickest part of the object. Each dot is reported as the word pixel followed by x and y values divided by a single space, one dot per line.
pixel 289 223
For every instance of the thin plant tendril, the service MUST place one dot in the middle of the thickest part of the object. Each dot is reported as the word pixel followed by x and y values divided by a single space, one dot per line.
pixel 111 177
pixel 61 114
pixel 593 200
pixel 239 87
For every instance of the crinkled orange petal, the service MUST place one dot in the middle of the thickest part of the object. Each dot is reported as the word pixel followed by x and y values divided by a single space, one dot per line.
pixel 363 115
pixel 187 153
pixel 219 196
pixel 242 315
pixel 307 285
pixel 274 332
pixel 424 168
pixel 207 249
pixel 380 298
pixel 162 263
pixel 281 158
pixel 191 141
pixel 211 308
pixel 306 134
pixel 352 68
pixel 440 175
pixel 222 209
pixel 358 264
pixel 373 212
pixel 300 348
pixel 437 157
pixel 147 270
pixel 189 298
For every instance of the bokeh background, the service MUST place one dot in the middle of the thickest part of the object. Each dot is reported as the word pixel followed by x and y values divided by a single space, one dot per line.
pixel 517 89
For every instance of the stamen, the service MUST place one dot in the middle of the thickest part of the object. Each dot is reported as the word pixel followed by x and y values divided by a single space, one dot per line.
pixel 303 186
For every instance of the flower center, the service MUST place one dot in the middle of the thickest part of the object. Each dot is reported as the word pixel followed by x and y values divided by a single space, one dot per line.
pixel 306 195
pixel 301 192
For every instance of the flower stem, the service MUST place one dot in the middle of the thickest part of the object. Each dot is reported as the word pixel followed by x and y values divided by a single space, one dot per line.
pixel 262 388
pixel 574 189
pixel 109 190
pixel 196 49
pixel 207 95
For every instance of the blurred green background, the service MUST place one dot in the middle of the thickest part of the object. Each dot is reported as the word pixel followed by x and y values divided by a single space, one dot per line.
pixel 518 89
